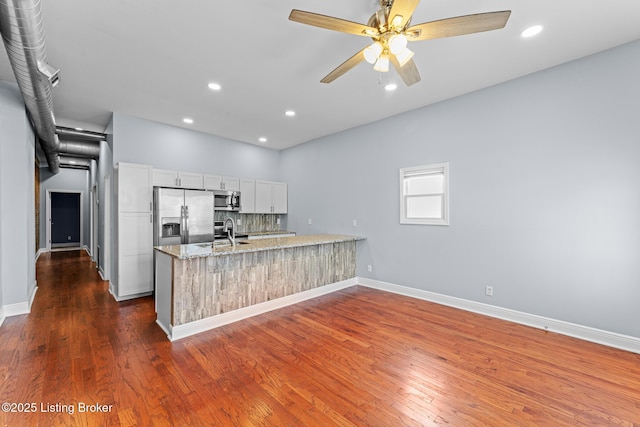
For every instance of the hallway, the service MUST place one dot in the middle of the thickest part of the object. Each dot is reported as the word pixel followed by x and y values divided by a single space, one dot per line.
pixel 78 345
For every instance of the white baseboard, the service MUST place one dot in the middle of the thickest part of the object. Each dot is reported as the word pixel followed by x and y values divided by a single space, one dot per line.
pixel 192 328
pixel 611 339
pixel 16 309
pixel 40 252
pixel 19 308
pixel 33 294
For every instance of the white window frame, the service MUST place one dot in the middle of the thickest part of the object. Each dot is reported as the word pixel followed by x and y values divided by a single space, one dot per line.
pixel 442 168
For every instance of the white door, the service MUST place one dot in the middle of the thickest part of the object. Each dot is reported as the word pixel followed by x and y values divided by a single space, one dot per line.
pixel 106 254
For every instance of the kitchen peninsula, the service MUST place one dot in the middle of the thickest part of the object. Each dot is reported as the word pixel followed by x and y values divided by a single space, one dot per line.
pixel 202 286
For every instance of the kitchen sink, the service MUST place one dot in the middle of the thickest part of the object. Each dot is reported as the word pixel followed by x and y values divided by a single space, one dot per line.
pixel 225 243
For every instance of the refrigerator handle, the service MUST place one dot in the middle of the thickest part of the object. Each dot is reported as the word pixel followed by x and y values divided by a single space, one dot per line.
pixel 182 227
pixel 186 224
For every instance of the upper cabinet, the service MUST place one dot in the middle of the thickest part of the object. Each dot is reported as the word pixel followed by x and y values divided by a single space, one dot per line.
pixel 247 196
pixel 219 182
pixel 134 188
pixel 171 178
pixel 270 197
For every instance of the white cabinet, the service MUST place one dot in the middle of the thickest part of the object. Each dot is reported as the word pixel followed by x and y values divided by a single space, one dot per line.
pixel 135 230
pixel 135 254
pixel 219 182
pixel 247 196
pixel 271 197
pixel 190 180
pixel 134 188
pixel 279 197
pixel 171 178
pixel 165 178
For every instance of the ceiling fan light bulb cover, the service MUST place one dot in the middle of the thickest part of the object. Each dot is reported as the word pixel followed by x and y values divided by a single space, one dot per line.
pixel 382 64
pixel 404 57
pixel 397 43
pixel 372 53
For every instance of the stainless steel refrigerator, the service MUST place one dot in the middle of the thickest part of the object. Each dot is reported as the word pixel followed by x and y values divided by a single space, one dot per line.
pixel 182 216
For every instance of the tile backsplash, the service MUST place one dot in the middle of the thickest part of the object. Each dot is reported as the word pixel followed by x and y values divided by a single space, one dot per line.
pixel 252 222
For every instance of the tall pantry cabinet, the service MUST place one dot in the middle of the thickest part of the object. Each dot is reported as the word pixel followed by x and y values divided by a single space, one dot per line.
pixel 134 205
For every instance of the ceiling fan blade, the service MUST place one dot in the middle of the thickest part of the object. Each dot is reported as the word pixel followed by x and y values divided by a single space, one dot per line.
pixel 331 23
pixel 460 25
pixel 403 9
pixel 408 73
pixel 344 67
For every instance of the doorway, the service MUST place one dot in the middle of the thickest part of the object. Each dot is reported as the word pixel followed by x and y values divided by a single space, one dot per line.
pixel 64 222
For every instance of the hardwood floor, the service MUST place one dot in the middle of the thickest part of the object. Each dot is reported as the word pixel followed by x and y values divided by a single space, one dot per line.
pixel 355 357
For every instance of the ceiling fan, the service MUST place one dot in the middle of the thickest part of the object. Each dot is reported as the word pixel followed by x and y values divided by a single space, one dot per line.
pixel 390 29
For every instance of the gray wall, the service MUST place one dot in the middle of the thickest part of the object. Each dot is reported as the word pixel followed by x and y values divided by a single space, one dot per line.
pixel 17 207
pixel 545 193
pixel 168 147
pixel 104 169
pixel 72 180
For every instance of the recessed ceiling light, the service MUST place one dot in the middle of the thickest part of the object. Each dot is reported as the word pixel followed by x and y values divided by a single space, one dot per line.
pixel 290 113
pixel 187 120
pixel 390 86
pixel 262 139
pixel 531 31
pixel 214 86
pixel 79 129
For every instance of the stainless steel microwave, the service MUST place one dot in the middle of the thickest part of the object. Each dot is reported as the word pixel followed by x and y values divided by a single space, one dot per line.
pixel 226 200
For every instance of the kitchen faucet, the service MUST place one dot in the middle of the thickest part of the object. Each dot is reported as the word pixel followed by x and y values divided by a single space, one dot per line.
pixel 231 234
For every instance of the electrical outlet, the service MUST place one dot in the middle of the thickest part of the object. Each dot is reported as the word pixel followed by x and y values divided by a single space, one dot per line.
pixel 239 221
pixel 488 291
pixel 355 223
pixel 369 268
pixel 68 237
pixel 278 220
pixel 309 221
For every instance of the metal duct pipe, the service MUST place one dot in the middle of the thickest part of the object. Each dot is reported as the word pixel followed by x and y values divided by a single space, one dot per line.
pixel 79 135
pixel 74 162
pixel 23 35
pixel 80 149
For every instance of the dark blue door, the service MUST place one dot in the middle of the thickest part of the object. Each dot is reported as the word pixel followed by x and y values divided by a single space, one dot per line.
pixel 65 219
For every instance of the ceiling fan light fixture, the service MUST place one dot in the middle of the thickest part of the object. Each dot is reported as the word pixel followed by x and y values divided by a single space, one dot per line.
pixel 397 43
pixel 372 53
pixel 397 21
pixel 382 64
pixel 404 57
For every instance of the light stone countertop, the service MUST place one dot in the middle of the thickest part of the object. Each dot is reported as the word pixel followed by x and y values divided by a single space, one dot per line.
pixel 198 250
pixel 267 233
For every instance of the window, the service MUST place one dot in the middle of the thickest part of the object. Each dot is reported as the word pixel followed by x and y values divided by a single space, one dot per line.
pixel 424 194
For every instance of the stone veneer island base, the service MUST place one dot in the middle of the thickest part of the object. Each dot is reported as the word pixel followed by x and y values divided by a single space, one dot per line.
pixel 202 286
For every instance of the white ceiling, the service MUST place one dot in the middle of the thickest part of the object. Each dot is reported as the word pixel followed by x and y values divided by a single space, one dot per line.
pixel 153 59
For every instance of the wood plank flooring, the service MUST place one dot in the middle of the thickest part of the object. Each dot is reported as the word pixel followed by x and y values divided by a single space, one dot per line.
pixel 356 357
